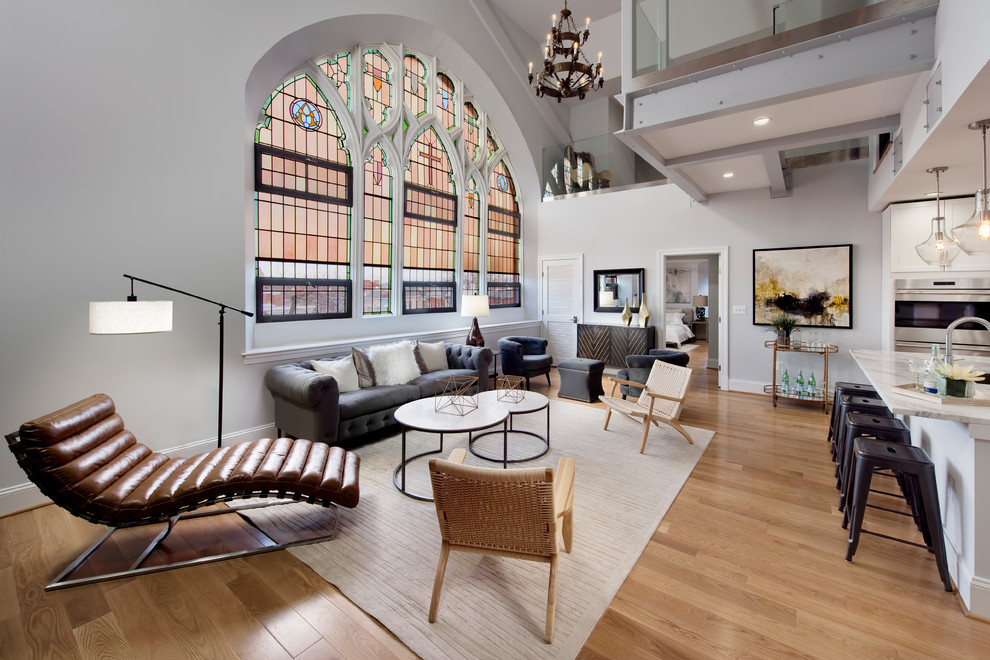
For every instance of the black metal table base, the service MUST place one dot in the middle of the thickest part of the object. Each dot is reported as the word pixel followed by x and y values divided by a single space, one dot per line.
pixel 505 460
pixel 399 474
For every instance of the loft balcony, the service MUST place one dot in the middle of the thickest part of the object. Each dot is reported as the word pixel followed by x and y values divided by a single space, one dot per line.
pixel 824 72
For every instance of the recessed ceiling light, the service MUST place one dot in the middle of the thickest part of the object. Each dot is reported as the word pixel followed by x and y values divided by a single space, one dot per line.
pixel 761 121
pixel 728 175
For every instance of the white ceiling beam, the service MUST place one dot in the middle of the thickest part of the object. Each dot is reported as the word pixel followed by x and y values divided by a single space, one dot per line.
pixel 646 151
pixel 780 181
pixel 857 129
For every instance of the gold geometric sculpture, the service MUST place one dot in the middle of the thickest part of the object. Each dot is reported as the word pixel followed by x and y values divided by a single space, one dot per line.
pixel 510 389
pixel 454 395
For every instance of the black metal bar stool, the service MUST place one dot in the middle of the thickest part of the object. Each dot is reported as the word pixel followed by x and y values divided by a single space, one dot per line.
pixel 846 404
pixel 914 465
pixel 859 425
pixel 846 387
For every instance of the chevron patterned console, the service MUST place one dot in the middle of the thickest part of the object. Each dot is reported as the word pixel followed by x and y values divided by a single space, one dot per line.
pixel 612 343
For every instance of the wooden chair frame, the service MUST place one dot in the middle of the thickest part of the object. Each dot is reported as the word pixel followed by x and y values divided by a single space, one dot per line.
pixel 644 410
pixel 453 509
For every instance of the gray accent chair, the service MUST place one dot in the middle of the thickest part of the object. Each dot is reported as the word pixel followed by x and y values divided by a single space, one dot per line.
pixel 638 368
pixel 525 356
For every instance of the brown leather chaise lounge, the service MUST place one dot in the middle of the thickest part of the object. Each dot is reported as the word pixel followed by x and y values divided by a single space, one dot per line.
pixel 84 459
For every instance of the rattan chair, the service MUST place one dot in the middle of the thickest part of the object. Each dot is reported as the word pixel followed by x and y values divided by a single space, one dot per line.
pixel 507 513
pixel 660 401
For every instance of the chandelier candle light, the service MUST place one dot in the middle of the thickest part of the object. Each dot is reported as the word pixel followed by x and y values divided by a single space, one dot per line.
pixel 573 75
pixel 973 236
pixel 938 250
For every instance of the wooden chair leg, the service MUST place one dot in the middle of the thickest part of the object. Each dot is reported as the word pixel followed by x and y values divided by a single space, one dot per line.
pixel 681 430
pixel 551 600
pixel 646 431
pixel 438 581
pixel 608 416
pixel 567 530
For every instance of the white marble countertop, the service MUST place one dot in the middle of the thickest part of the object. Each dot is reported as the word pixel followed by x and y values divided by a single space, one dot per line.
pixel 887 369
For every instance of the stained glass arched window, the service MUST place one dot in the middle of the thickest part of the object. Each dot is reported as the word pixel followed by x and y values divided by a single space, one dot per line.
pixel 377 85
pixel 503 239
pixel 492 144
pixel 472 239
pixel 303 191
pixel 414 85
pixel 446 110
pixel 429 228
pixel 377 297
pixel 338 70
pixel 472 132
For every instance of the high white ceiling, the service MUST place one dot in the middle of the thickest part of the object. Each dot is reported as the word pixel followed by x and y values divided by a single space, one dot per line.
pixel 950 143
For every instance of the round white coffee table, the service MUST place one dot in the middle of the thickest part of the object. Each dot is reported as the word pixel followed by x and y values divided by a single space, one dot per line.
pixel 421 415
pixel 530 403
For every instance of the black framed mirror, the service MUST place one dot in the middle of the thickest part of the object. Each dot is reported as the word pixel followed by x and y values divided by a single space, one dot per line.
pixel 613 287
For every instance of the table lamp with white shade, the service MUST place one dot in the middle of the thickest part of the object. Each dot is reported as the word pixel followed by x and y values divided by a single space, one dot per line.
pixel 475 306
pixel 700 303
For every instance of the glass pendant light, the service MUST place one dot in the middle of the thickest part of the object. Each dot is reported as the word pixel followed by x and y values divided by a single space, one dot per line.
pixel 938 250
pixel 973 236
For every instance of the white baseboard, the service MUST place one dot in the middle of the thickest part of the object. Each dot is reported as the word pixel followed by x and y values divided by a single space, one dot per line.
pixel 750 386
pixel 26 495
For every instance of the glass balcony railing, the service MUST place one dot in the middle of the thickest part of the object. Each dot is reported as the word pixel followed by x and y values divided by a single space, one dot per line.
pixel 671 32
pixel 594 164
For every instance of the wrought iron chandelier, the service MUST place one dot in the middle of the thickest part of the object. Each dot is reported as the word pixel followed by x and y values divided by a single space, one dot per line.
pixel 573 75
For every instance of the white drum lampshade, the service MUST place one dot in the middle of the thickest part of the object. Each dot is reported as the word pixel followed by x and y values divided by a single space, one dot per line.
pixel 120 317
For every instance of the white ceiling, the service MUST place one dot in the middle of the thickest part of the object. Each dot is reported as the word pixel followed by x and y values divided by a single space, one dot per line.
pixel 950 143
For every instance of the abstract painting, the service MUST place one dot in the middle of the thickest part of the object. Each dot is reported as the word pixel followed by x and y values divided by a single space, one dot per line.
pixel 812 283
pixel 678 285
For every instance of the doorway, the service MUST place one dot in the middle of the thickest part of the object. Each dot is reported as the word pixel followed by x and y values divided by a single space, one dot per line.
pixel 699 272
pixel 561 303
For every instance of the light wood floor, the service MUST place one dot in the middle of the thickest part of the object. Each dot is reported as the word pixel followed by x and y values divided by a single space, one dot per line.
pixel 748 562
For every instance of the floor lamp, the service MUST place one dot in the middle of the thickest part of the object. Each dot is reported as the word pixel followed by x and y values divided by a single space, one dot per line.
pixel 135 317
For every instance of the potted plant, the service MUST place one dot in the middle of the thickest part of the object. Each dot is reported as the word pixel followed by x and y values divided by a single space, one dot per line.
pixel 784 324
pixel 959 381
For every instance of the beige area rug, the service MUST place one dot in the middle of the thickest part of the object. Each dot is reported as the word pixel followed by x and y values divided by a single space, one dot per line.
pixel 385 556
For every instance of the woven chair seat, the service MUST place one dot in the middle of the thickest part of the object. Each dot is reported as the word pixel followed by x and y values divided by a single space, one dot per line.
pixel 660 401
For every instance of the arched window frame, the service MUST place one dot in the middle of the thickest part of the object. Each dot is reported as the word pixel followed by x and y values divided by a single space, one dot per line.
pixel 395 136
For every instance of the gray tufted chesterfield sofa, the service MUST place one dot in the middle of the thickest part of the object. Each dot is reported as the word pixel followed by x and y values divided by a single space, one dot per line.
pixel 309 404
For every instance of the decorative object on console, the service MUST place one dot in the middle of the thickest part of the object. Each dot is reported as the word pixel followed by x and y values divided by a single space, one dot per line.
pixel 570 76
pixel 812 283
pixel 700 303
pixel 973 236
pixel 510 388
pixel 644 314
pixel 937 249
pixel 134 317
pixel 475 306
pixel 454 395
pixel 626 314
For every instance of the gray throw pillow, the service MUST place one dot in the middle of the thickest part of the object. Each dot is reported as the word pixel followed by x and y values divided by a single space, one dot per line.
pixel 365 370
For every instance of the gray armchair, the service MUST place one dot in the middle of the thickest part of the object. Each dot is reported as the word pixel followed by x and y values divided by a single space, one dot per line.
pixel 525 356
pixel 638 368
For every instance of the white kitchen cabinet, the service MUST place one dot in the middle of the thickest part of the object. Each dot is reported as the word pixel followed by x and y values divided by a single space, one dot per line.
pixel 911 223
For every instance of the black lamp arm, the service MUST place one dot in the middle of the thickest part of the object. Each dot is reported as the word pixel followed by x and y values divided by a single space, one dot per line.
pixel 184 293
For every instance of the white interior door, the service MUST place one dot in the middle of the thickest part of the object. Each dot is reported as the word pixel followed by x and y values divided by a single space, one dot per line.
pixel 561 303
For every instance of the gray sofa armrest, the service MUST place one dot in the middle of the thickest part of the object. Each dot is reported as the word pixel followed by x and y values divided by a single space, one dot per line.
pixel 478 359
pixel 307 403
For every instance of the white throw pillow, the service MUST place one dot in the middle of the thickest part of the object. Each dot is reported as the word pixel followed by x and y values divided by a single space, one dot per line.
pixel 431 356
pixel 675 317
pixel 342 370
pixel 394 363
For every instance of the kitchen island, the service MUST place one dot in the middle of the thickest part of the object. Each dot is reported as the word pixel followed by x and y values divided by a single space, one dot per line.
pixel 957 438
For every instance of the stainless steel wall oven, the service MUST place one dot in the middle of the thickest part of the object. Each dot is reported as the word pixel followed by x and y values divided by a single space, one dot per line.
pixel 923 309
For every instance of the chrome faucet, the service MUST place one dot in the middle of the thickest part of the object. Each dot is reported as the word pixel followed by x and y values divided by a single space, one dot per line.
pixel 952 326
